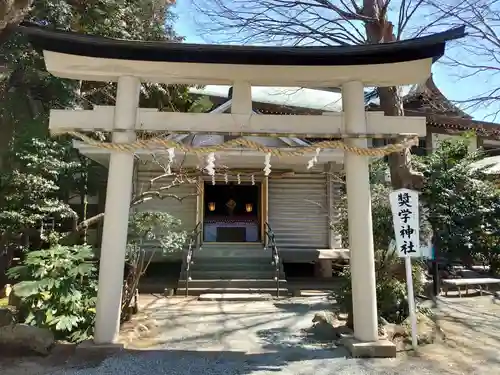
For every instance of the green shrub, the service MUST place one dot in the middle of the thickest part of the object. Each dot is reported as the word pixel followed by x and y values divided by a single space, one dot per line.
pixel 58 286
pixel 392 301
pixel 58 290
pixel 159 227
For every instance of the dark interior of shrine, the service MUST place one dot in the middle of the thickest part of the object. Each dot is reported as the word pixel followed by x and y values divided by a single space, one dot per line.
pixel 220 198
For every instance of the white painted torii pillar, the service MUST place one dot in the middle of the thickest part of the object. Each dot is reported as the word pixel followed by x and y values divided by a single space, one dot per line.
pixel 116 214
pixel 359 211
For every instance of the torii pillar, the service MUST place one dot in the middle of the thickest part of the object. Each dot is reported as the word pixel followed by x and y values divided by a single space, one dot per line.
pixel 359 211
pixel 116 214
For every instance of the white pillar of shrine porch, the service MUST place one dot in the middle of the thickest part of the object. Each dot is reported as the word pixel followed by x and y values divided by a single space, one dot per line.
pixel 362 258
pixel 118 195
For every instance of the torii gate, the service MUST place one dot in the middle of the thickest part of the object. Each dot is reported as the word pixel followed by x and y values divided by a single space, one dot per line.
pixel 84 57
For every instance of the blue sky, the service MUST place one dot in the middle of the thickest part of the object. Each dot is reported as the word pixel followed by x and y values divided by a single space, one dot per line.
pixel 454 87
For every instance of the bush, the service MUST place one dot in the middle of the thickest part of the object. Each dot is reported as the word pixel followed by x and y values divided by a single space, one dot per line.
pixel 463 205
pixel 156 231
pixel 58 290
pixel 58 286
pixel 159 227
pixel 392 296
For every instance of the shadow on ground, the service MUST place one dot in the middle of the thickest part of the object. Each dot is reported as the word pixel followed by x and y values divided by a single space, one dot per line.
pixel 275 337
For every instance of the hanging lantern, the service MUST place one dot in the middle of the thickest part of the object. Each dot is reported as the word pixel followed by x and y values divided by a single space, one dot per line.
pixel 211 206
pixel 249 207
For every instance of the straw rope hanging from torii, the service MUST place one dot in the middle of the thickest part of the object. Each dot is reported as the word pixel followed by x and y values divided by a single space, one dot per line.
pixel 154 144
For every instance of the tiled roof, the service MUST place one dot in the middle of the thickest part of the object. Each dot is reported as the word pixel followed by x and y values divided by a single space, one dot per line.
pixel 482 128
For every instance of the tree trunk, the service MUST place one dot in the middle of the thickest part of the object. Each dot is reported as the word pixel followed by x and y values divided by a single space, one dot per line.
pixel 381 31
pixel 402 174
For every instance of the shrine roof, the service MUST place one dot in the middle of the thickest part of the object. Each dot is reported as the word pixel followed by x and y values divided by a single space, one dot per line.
pixel 294 97
pixel 428 47
pixel 482 128
pixel 428 97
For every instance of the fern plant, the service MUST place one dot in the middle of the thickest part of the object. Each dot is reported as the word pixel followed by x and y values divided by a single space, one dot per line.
pixel 58 290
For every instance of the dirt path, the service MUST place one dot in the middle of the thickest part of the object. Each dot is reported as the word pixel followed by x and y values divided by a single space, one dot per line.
pixel 472 345
pixel 267 338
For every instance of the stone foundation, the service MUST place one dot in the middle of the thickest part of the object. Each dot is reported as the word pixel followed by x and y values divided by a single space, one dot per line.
pixel 323 268
pixel 375 349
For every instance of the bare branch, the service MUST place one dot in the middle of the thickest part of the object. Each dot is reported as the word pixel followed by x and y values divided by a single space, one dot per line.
pixel 325 22
pixel 476 61
pixel 12 12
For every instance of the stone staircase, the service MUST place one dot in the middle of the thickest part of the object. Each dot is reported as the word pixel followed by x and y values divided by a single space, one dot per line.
pixel 232 269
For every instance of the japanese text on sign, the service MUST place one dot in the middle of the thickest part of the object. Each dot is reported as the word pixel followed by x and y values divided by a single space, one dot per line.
pixel 404 206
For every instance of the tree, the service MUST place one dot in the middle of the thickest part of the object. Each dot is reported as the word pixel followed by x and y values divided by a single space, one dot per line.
pixel 325 22
pixel 463 205
pixel 39 173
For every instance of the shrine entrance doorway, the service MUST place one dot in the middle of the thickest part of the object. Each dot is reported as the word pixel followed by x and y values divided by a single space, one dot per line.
pixel 232 213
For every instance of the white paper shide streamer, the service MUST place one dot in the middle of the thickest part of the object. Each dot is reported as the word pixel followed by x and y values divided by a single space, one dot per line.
pixel 253 180
pixel 226 178
pixel 210 168
pixel 239 179
pixel 171 157
pixel 267 164
pixel 314 160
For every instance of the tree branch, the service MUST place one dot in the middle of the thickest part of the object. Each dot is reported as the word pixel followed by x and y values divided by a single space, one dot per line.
pixel 12 12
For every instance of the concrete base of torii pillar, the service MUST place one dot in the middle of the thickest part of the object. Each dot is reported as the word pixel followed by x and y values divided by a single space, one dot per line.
pixel 365 342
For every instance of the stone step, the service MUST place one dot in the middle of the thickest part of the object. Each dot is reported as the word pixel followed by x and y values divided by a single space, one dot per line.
pixel 216 260
pixel 200 266
pixel 232 274
pixel 232 252
pixel 233 245
pixel 195 291
pixel 235 297
pixel 231 283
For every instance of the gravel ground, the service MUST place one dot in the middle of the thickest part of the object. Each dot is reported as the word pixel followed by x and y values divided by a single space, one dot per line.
pixel 258 338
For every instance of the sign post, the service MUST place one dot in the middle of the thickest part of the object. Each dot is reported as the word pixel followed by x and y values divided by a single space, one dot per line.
pixel 404 207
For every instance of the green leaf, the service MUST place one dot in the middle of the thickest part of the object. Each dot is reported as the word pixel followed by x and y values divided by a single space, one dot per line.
pixel 26 288
pixel 65 322
pixel 30 318
pixel 49 317
pixel 17 272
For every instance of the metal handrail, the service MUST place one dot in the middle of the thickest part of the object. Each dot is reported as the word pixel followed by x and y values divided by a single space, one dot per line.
pixel 275 257
pixel 194 239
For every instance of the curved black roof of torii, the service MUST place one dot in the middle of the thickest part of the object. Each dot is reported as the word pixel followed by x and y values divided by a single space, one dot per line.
pixel 432 46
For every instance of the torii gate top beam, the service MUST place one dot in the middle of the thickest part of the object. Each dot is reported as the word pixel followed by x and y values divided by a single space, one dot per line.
pixel 86 57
